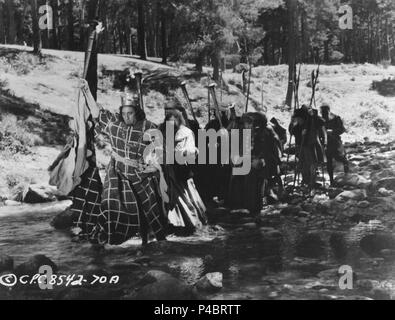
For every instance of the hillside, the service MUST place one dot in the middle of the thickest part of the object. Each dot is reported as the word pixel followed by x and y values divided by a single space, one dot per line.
pixel 51 83
pixel 41 94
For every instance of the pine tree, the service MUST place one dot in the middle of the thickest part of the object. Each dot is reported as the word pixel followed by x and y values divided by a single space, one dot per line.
pixel 37 45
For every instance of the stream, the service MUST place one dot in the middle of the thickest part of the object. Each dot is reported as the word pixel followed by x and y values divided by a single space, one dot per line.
pixel 289 251
pixel 255 264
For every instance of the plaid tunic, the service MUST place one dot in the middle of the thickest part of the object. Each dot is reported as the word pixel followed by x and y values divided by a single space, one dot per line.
pixel 131 197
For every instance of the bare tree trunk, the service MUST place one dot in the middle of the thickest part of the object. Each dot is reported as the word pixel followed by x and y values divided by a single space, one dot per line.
pixel 120 38
pixel 303 31
pixel 326 50
pixel 370 47
pixel 291 5
pixel 216 62
pixel 114 41
pixel 346 41
pixel 128 38
pixel 36 29
pixel 273 52
pixel 49 33
pixel 55 32
pixel 11 21
pixel 91 77
pixel 265 51
pixel 163 24
pixel 387 40
pixel 158 36
pixel 82 24
pixel 70 25
pixel 107 36
pixel 379 47
pixel 199 63
pixel 141 30
pixel 2 26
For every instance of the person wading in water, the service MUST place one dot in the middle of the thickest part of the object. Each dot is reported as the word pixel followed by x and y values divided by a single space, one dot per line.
pixel 131 201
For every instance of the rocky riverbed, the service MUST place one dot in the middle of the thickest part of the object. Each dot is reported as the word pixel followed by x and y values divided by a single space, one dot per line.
pixel 292 250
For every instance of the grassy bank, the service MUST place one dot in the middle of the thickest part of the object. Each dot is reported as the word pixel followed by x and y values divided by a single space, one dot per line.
pixel 37 96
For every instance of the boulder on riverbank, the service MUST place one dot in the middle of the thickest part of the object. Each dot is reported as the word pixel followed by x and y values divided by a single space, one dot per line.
pixel 158 285
pixel 352 180
pixel 6 263
pixel 32 266
pixel 64 220
pixel 210 283
pixel 35 194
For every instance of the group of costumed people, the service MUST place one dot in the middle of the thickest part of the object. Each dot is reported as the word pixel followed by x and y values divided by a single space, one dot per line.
pixel 143 196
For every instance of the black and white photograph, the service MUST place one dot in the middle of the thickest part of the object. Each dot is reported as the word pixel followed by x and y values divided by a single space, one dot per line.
pixel 216 151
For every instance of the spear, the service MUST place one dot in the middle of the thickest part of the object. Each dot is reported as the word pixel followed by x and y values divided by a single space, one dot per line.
pixel 211 89
pixel 296 88
pixel 186 95
pixel 314 80
pixel 139 81
pixel 208 97
pixel 249 88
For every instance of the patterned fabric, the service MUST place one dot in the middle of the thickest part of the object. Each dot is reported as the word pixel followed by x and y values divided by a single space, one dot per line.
pixel 335 145
pixel 87 200
pixel 86 196
pixel 79 154
pixel 130 200
pixel 185 208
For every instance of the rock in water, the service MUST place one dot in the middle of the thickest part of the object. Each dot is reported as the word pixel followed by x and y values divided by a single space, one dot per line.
pixel 380 294
pixel 12 203
pixel 155 276
pixel 158 285
pixel 291 211
pixel 270 234
pixel 64 220
pixel 79 294
pixel 353 180
pixel 373 244
pixel 6 263
pixel 32 266
pixel 387 183
pixel 367 285
pixel 310 245
pixel 363 204
pixel 250 226
pixel 211 282
pixel 39 194
pixel 385 193
pixel 357 195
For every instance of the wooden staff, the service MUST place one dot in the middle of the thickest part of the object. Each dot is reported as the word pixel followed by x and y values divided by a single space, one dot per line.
pixel 314 82
pixel 139 80
pixel 208 97
pixel 296 88
pixel 92 38
pixel 221 84
pixel 186 95
pixel 249 88
pixel 88 55
pixel 211 88
pixel 296 106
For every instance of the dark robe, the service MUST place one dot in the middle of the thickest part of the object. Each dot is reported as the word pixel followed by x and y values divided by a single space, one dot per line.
pixel 248 192
pixel 186 211
pixel 335 149
pixel 309 137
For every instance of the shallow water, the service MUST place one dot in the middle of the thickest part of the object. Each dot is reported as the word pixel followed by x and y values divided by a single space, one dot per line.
pixel 254 267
